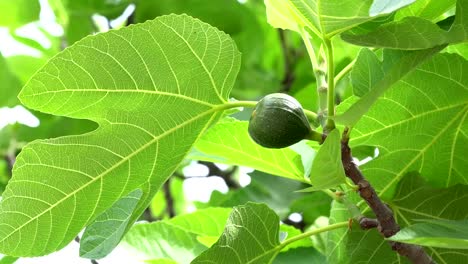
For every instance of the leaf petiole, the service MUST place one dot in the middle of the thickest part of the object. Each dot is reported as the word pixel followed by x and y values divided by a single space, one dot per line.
pixel 312 233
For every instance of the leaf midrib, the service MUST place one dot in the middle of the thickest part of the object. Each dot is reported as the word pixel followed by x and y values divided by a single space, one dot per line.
pixel 407 120
pixel 198 58
pixel 124 91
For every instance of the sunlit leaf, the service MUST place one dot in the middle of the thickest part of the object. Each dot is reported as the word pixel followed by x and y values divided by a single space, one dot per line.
pixel 435 233
pixel 411 33
pixel 137 75
pixel 395 66
pixel 177 239
pixel 420 119
pixel 326 18
pixel 250 236
pixel 427 9
pixel 229 142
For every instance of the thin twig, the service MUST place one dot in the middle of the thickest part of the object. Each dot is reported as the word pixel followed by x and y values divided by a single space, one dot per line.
pixel 227 175
pixel 10 160
pixel 301 225
pixel 169 199
pixel 386 225
pixel 289 77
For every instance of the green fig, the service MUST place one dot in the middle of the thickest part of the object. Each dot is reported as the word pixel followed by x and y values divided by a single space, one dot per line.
pixel 278 121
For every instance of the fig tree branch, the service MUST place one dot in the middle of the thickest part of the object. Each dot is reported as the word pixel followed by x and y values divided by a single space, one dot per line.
pixel 288 53
pixel 227 175
pixel 385 221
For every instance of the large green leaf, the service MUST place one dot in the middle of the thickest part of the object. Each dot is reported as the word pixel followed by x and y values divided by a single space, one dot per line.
pixel 419 125
pixel 427 9
pixel 415 200
pixel 177 239
pixel 103 235
pixel 251 235
pixel 162 241
pixel 413 33
pixel 153 88
pixel 396 65
pixel 229 142
pixel 299 256
pixel 256 40
pixel 326 18
pixel 435 233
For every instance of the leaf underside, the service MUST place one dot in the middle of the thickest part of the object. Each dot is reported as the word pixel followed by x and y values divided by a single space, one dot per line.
pixel 153 88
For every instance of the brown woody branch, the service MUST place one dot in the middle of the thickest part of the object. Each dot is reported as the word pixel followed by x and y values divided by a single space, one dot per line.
pixel 385 221
pixel 227 175
pixel 289 77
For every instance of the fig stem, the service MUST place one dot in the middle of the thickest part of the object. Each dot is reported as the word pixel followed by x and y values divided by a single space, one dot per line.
pixel 315 136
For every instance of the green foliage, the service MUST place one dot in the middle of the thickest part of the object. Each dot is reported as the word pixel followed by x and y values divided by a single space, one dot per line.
pixel 435 233
pixel 440 116
pixel 150 141
pixel 243 23
pixel 326 18
pixel 123 112
pixel 411 33
pixel 427 9
pixel 397 64
pixel 250 236
pixel 176 239
pixel 229 142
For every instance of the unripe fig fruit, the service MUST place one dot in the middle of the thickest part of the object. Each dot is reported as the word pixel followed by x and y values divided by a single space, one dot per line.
pixel 278 121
